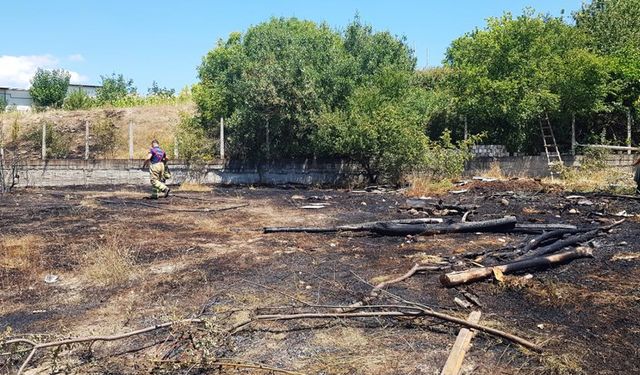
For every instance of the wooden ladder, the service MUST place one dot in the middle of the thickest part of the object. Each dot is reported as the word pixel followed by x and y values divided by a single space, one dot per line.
pixel 549 141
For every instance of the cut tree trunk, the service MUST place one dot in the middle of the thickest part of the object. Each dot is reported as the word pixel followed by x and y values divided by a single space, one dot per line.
pixel 477 274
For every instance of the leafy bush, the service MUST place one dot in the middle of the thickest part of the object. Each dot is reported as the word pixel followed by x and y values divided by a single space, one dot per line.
pixel 57 142
pixel 594 159
pixel 49 87
pixel 106 136
pixel 114 88
pixel 78 99
pixel 163 92
pixel 445 159
pixel 382 128
pixel 3 104
pixel 194 144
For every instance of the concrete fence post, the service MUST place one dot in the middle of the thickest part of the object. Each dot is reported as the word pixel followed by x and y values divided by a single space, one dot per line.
pixel 2 142
pixel 44 141
pixel 175 148
pixel 222 138
pixel 86 140
pixel 130 140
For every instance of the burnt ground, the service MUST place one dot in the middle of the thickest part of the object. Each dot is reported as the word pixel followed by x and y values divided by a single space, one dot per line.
pixel 121 267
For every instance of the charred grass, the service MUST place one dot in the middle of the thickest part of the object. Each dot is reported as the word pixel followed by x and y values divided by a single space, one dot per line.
pixel 125 267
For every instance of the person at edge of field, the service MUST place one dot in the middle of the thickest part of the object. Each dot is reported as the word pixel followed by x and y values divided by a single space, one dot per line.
pixel 636 175
pixel 156 161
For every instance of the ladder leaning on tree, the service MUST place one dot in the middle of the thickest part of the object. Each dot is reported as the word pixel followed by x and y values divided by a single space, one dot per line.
pixel 549 141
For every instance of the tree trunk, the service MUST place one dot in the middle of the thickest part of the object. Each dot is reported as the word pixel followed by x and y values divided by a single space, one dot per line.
pixel 629 129
pixel 573 133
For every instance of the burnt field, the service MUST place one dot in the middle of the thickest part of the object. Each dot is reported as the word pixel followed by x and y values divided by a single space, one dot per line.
pixel 114 266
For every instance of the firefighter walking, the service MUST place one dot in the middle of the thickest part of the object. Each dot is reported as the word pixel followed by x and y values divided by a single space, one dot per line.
pixel 156 161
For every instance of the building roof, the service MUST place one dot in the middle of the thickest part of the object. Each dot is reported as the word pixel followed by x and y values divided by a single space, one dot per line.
pixel 70 85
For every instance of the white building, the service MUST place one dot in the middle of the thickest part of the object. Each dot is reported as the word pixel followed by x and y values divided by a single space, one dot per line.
pixel 20 99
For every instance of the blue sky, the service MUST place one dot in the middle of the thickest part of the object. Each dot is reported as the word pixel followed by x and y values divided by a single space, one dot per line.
pixel 165 40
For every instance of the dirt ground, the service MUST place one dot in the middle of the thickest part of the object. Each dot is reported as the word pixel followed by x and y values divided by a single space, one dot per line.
pixel 123 266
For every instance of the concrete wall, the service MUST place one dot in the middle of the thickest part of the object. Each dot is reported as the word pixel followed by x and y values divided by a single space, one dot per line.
pixel 37 173
pixel 67 172
pixel 536 166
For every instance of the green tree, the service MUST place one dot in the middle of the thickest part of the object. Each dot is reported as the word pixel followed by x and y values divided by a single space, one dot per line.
pixel 513 73
pixel 614 30
pixel 272 82
pixel 78 99
pixel 382 127
pixel 49 87
pixel 114 87
pixel 162 92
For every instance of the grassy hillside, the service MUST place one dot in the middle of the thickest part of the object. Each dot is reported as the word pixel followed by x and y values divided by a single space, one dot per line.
pixel 109 128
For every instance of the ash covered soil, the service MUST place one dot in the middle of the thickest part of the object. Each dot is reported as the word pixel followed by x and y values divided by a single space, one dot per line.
pixel 121 266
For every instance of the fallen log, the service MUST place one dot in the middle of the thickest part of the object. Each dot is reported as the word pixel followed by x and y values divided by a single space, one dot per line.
pixel 350 227
pixel 464 277
pixel 505 224
pixel 539 228
pixel 587 234
pixel 558 233
pixel 573 240
pixel 460 347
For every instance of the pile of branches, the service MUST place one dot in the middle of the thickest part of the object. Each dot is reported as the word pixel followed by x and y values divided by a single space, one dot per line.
pixel 542 251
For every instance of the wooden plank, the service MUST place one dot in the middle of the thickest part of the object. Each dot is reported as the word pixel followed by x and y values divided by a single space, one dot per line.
pixel 460 347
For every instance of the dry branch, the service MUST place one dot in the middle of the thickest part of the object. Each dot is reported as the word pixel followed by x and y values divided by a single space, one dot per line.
pixel 477 274
pixel 414 311
pixel 165 208
pixel 417 203
pixel 375 292
pixel 35 346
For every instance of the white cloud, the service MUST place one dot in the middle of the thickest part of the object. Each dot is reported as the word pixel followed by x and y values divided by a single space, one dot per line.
pixel 17 71
pixel 76 57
